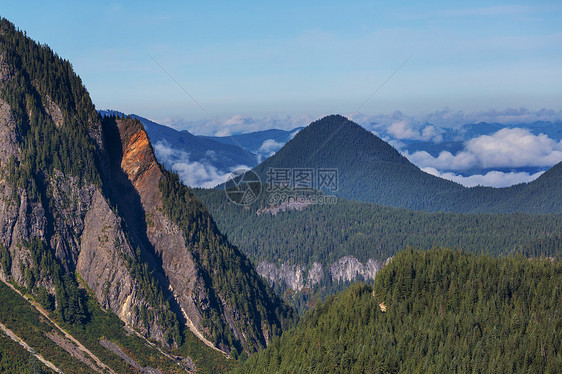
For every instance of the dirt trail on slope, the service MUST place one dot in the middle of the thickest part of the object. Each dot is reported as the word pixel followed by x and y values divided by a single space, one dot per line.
pixel 20 341
pixel 66 335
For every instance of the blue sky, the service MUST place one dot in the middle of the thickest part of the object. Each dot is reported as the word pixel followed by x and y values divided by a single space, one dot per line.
pixel 305 58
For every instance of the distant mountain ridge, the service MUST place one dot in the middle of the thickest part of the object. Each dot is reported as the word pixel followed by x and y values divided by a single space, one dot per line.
pixel 254 140
pixel 371 170
pixel 552 129
pixel 222 155
pixel 179 148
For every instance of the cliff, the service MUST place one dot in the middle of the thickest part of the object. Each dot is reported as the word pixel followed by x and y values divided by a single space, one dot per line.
pixel 295 277
pixel 82 206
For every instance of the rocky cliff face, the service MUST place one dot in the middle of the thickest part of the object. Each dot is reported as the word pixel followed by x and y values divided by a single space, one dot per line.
pixel 294 277
pixel 348 268
pixel 184 266
pixel 163 239
pixel 77 225
pixel 104 250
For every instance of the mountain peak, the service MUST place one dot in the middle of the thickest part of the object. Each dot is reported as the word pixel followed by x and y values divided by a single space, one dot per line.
pixel 335 136
pixel 333 121
pixel 333 118
pixel 368 168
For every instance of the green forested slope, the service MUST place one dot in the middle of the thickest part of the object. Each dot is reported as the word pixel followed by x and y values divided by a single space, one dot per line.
pixel 328 232
pixel 15 359
pixel 446 311
pixel 37 78
pixel 28 324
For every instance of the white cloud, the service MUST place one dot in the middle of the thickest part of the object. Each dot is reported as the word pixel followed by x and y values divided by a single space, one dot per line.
pixel 402 130
pixel 211 155
pixel 405 129
pixel 445 161
pixel 395 143
pixel 239 120
pixel 163 152
pixel 431 132
pixel 398 126
pixel 236 124
pixel 270 146
pixel 490 179
pixel 507 148
pixel 449 118
pixel 268 149
pixel 193 173
pixel 515 148
pixel 294 133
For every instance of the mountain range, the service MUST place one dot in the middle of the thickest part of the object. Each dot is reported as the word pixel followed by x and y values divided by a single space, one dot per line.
pixel 204 164
pixel 262 143
pixel 313 247
pixel 110 264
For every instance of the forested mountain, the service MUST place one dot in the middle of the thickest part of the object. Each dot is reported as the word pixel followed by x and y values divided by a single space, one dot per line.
pixel 370 170
pixel 317 249
pixel 436 311
pixel 330 231
pixel 89 219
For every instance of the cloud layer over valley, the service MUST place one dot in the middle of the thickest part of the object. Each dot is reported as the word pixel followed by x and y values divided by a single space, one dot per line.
pixel 200 173
pixel 495 148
